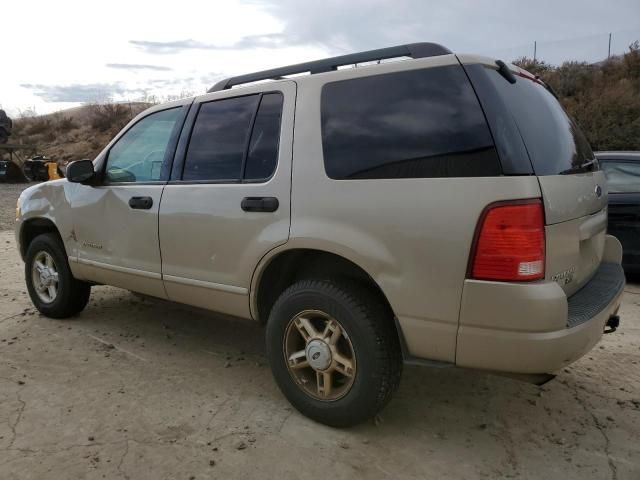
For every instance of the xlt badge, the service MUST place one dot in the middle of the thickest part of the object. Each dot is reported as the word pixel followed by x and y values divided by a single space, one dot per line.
pixel 565 277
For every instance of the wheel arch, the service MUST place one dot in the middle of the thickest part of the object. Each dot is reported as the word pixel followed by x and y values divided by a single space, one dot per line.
pixel 33 227
pixel 282 267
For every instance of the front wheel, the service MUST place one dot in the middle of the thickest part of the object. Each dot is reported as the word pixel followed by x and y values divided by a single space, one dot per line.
pixel 334 351
pixel 52 288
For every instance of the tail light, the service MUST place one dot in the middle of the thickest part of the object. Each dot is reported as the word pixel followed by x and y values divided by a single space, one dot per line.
pixel 509 242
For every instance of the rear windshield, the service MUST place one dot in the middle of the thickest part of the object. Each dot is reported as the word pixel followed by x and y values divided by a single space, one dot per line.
pixel 553 140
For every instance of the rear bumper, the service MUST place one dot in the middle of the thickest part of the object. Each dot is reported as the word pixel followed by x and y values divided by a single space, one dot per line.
pixel 534 328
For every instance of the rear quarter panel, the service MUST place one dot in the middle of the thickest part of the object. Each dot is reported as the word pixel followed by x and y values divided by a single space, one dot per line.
pixel 412 236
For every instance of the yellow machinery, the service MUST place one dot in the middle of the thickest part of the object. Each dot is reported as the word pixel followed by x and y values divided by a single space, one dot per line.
pixel 52 169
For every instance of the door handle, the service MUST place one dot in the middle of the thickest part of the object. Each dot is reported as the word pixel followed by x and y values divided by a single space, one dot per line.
pixel 260 204
pixel 141 203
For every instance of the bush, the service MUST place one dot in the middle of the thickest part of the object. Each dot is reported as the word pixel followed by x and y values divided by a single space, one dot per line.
pixel 37 125
pixel 109 116
pixel 64 124
pixel 604 98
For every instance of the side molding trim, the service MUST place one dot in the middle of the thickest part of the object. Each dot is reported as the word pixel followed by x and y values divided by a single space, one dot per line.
pixel 168 278
pixel 117 268
pixel 211 285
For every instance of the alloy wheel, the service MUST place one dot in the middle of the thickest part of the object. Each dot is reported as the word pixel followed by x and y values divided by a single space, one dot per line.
pixel 319 355
pixel 45 277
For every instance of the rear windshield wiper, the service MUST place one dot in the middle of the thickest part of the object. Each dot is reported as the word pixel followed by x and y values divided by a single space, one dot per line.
pixel 505 71
pixel 588 166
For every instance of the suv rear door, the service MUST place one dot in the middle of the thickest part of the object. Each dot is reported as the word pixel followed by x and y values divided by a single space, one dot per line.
pixel 228 202
pixel 573 189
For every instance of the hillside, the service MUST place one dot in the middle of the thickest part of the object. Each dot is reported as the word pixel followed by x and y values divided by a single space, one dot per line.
pixel 77 133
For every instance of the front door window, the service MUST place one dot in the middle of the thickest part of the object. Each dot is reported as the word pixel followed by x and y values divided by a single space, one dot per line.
pixel 138 155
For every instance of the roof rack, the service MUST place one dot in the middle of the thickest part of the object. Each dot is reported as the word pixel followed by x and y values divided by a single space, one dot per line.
pixel 413 50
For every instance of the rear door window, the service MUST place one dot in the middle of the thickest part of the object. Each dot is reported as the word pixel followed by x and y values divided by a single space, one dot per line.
pixel 235 139
pixel 262 156
pixel 219 139
pixel 553 140
pixel 411 124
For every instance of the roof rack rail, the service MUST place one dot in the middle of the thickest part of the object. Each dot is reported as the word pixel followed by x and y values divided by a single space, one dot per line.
pixel 413 50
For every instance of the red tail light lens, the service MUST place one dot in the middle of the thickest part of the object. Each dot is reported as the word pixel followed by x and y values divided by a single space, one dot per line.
pixel 509 243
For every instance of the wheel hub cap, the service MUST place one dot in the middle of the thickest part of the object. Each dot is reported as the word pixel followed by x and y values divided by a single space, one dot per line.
pixel 44 275
pixel 318 355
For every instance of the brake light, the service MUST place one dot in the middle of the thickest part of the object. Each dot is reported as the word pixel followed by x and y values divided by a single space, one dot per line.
pixel 509 242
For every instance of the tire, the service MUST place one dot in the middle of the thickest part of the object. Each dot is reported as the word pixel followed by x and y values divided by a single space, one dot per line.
pixel 71 295
pixel 375 360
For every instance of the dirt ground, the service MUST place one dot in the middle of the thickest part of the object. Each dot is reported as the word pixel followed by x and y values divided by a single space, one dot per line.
pixel 9 193
pixel 140 389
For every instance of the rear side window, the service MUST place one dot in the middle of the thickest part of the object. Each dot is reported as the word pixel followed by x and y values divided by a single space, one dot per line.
pixel 412 124
pixel 235 139
pixel 553 140
pixel 622 177
pixel 262 156
pixel 219 139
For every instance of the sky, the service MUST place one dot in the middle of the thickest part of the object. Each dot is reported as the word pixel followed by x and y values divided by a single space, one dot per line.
pixel 63 53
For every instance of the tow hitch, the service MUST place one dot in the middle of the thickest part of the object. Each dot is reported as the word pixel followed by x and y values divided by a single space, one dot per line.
pixel 612 324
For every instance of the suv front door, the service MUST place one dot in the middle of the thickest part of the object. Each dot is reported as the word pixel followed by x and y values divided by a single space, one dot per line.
pixel 116 220
pixel 227 204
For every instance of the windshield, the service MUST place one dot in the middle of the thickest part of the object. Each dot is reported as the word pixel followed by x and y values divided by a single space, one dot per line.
pixel 622 177
pixel 553 140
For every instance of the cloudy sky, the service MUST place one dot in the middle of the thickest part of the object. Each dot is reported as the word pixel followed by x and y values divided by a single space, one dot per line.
pixel 63 53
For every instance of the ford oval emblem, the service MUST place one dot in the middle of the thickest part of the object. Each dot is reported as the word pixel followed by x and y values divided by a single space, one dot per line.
pixel 598 191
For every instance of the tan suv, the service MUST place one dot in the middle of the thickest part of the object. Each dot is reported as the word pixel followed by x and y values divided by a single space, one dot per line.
pixel 423 207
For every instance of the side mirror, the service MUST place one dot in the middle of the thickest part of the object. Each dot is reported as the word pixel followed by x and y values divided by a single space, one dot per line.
pixel 80 171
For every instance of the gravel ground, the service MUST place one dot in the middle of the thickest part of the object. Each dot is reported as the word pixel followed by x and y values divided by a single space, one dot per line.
pixel 140 389
pixel 9 193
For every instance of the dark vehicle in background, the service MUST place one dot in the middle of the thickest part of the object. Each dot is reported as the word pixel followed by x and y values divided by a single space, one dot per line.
pixel 622 170
pixel 10 172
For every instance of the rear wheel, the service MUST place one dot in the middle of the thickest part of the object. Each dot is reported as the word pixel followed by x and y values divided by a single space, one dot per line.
pixel 52 288
pixel 334 351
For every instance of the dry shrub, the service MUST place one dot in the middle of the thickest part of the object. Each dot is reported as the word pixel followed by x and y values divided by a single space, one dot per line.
pixel 604 98
pixel 37 125
pixel 49 136
pixel 109 116
pixel 64 124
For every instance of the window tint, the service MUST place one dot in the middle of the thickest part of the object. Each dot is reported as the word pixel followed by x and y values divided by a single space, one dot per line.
pixel 553 140
pixel 138 154
pixel 262 156
pixel 419 123
pixel 219 139
pixel 622 177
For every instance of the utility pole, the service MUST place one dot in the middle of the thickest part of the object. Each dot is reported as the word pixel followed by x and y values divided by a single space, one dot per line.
pixel 535 48
pixel 609 54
